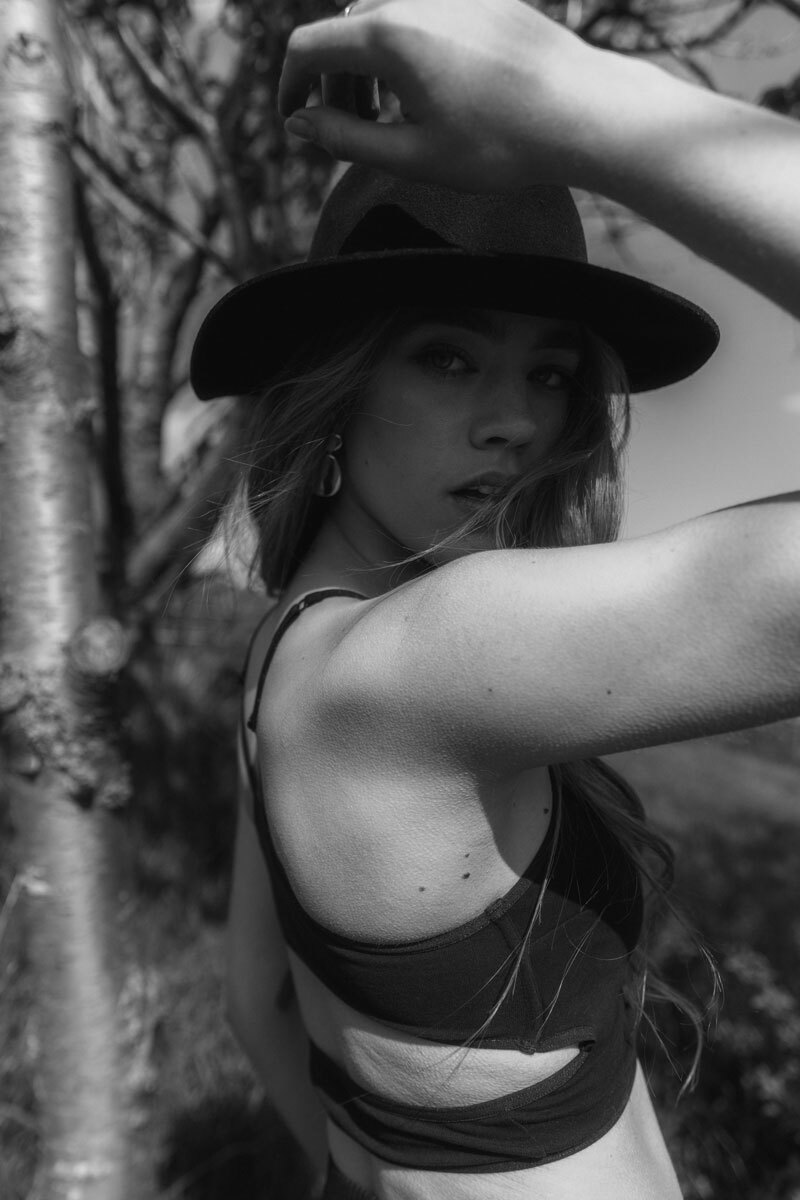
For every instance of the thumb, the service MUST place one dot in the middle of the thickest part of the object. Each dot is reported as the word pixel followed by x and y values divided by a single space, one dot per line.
pixel 397 148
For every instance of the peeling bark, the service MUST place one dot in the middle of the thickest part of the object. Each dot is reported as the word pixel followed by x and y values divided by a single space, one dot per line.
pixel 59 654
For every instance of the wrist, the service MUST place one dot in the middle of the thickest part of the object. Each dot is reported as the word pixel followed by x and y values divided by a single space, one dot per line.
pixel 635 119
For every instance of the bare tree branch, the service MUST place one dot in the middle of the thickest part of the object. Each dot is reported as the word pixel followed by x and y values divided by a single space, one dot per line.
pixel 676 49
pixel 234 95
pixel 648 21
pixel 180 534
pixel 155 81
pixel 106 316
pixel 792 7
pixel 230 193
pixel 724 28
pixel 92 164
pixel 177 49
pixel 186 278
pixel 206 128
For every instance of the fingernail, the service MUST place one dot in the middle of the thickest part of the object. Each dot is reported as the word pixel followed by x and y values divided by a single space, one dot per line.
pixel 301 128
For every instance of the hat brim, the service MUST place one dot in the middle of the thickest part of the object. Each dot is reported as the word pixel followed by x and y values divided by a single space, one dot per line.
pixel 251 332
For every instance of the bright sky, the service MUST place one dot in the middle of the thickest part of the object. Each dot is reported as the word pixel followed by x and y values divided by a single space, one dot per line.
pixel 732 432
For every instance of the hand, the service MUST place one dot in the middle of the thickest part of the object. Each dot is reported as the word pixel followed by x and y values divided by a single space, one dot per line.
pixel 493 95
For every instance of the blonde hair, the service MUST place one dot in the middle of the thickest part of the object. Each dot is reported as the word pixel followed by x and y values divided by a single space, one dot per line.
pixel 574 497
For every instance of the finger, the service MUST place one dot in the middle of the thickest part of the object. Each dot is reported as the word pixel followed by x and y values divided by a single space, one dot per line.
pixel 329 47
pixel 399 149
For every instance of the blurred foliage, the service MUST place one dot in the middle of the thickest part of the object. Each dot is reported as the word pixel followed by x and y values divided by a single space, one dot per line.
pixel 738 1133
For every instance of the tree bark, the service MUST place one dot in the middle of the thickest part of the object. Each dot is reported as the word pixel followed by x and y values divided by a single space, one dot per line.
pixel 59 654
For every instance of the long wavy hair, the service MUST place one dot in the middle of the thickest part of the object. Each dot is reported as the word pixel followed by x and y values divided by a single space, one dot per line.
pixel 574 497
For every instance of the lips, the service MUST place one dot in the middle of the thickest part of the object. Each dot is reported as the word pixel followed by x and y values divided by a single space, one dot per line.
pixel 482 488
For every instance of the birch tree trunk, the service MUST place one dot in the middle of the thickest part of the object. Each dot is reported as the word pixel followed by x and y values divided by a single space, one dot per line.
pixel 58 652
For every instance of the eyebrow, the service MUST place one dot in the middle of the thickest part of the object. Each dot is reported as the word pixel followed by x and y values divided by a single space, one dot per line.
pixel 560 337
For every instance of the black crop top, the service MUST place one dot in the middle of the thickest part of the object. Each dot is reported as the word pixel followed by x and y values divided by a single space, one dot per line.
pixel 570 992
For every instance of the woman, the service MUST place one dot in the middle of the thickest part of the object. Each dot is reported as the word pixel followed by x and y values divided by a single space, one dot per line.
pixel 457 889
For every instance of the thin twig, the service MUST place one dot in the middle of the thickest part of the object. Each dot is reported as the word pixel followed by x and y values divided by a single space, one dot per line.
pixel 91 163
pixel 155 81
pixel 790 6
pixel 230 104
pixel 12 895
pixel 646 23
pixel 675 48
pixel 174 40
pixel 198 122
pixel 164 547
pixel 105 312
pixel 723 28
pixel 187 273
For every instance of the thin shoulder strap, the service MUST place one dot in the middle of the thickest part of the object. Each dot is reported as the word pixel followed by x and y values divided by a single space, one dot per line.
pixel 251 774
pixel 289 617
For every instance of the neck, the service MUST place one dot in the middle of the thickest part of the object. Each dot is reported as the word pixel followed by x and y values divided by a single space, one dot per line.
pixel 338 557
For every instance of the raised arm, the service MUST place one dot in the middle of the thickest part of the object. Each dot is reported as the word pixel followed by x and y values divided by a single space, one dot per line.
pixel 517 658
pixel 497 96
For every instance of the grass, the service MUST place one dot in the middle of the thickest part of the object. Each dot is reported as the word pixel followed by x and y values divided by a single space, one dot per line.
pixel 200 1128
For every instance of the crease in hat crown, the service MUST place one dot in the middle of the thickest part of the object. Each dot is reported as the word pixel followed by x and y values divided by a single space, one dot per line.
pixel 541 220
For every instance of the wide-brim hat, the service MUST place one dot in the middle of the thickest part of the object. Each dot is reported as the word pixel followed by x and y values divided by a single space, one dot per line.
pixel 384 243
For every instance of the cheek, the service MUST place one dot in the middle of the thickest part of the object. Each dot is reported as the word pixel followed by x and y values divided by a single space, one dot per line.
pixel 375 447
pixel 552 423
pixel 558 413
pixel 396 432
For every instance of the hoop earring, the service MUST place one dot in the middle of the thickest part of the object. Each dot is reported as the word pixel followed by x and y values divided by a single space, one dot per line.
pixel 330 479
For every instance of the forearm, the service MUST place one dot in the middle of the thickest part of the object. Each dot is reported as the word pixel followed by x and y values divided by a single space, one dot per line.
pixel 721 176
pixel 277 1048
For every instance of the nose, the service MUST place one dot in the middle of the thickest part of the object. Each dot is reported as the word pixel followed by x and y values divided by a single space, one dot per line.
pixel 511 416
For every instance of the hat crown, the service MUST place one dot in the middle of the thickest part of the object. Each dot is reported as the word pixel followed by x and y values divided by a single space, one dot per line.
pixel 369 211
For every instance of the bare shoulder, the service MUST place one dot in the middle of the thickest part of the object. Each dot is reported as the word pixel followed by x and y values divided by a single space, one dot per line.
pixel 509 659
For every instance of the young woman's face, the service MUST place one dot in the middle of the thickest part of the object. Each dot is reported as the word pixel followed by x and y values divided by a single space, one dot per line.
pixel 462 403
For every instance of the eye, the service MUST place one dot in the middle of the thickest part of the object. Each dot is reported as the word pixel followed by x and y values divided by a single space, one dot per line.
pixel 444 359
pixel 554 378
